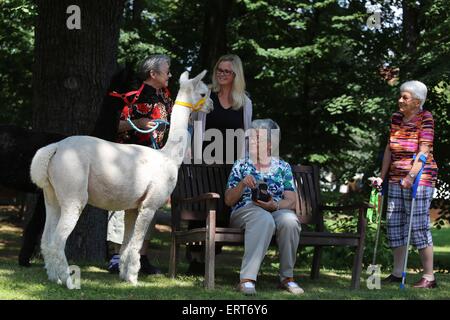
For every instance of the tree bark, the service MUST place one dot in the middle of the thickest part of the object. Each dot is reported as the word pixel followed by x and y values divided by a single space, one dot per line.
pixel 411 34
pixel 214 42
pixel 138 7
pixel 71 74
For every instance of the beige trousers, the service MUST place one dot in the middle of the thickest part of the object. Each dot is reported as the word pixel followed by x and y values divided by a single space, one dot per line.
pixel 260 225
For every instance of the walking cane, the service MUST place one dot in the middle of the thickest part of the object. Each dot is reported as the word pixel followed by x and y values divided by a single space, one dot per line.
pixel 415 185
pixel 374 269
pixel 381 191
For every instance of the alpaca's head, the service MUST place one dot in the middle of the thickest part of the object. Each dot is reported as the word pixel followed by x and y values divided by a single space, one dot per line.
pixel 194 92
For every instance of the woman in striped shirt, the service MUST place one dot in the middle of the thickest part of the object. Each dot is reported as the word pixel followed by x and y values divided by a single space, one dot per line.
pixel 411 133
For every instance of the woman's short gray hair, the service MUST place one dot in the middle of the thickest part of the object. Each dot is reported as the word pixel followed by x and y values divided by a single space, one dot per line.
pixel 417 89
pixel 153 62
pixel 273 133
pixel 268 124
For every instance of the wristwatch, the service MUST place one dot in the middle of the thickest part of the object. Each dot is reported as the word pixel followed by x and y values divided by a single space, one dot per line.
pixel 411 175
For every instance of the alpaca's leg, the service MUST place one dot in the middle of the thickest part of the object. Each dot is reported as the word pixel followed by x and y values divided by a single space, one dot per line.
pixel 52 213
pixel 131 259
pixel 129 221
pixel 69 178
pixel 52 217
pixel 66 224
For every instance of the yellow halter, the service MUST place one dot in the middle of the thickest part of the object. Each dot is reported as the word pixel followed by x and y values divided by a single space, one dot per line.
pixel 194 107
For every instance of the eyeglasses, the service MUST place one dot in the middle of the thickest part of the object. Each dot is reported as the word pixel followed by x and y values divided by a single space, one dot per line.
pixel 224 72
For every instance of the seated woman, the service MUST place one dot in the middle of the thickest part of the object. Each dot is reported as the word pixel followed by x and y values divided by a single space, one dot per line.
pixel 261 219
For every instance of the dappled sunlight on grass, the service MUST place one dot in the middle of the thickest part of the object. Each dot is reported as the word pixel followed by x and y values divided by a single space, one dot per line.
pixel 96 283
pixel 32 283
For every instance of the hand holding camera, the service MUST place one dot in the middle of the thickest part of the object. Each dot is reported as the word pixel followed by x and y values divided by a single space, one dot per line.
pixel 262 198
pixel 260 192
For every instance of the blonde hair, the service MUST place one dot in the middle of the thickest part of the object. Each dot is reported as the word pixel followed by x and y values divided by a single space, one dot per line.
pixel 238 88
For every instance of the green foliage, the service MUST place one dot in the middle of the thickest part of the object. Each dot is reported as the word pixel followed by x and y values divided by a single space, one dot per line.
pixel 161 27
pixel 16 50
pixel 314 69
pixel 432 66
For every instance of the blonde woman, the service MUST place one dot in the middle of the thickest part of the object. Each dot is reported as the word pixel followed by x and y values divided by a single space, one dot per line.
pixel 232 110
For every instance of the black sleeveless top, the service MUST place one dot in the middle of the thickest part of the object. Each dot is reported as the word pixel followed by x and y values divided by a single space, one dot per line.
pixel 222 119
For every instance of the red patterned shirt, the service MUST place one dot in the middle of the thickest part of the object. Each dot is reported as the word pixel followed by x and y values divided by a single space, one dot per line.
pixel 404 142
pixel 152 104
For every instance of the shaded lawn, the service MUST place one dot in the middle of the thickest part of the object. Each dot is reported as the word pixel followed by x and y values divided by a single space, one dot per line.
pixel 96 283
pixel 441 240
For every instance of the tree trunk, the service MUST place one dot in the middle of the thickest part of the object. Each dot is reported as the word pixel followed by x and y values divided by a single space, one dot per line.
pixel 71 75
pixel 138 7
pixel 411 34
pixel 214 42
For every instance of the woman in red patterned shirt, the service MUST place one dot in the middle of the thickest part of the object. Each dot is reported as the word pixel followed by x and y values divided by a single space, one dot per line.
pixel 154 102
pixel 411 133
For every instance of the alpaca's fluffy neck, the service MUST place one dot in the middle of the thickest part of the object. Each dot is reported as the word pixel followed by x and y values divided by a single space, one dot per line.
pixel 175 147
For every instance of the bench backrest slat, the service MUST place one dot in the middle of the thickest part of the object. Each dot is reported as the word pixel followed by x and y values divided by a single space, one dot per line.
pixel 308 191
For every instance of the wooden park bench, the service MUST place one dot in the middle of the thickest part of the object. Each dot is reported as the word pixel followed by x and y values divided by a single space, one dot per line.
pixel 199 195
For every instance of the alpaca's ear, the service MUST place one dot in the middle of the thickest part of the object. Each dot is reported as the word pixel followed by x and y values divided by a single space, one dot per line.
pixel 184 76
pixel 198 77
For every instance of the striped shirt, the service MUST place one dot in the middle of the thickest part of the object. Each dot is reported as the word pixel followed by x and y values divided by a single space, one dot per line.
pixel 404 142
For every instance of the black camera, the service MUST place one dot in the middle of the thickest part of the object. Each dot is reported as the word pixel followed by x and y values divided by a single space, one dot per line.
pixel 260 192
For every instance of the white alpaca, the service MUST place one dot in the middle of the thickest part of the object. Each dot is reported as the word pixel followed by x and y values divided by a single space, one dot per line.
pixel 81 169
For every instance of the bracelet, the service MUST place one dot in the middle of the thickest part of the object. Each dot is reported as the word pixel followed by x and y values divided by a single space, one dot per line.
pixel 278 205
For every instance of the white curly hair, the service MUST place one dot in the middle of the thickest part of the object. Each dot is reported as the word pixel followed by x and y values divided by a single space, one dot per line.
pixel 417 89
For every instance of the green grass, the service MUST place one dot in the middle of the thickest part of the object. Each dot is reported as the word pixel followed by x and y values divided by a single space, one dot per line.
pixel 96 283
pixel 441 240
